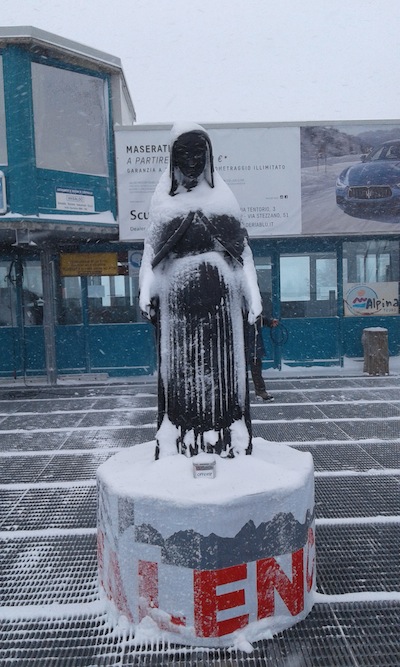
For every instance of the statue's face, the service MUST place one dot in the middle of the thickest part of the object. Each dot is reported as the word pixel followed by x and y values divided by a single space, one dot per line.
pixel 190 155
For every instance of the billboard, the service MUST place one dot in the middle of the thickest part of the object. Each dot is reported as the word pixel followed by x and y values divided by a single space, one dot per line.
pixel 290 180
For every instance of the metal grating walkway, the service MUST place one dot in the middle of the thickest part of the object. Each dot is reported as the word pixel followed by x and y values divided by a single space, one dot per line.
pixel 53 440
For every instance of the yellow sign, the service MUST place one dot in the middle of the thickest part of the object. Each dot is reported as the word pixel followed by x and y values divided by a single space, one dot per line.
pixel 88 264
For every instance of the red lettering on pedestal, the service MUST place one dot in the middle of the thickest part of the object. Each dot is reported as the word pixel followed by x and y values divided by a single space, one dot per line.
pixel 310 562
pixel 207 602
pixel 148 586
pixel 271 577
pixel 100 555
pixel 148 598
pixel 115 587
pixel 178 620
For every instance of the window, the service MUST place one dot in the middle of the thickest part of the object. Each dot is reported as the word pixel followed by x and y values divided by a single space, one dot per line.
pixel 71 120
pixel 308 285
pixel 69 303
pixel 3 138
pixel 264 277
pixel 8 316
pixel 374 261
pixel 325 278
pixel 295 278
pixel 371 278
pixel 32 293
pixel 111 299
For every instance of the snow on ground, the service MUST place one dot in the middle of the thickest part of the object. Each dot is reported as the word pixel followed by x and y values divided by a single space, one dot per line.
pixel 351 366
pixel 52 443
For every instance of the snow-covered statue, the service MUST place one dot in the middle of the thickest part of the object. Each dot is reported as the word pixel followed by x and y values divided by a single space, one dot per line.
pixel 198 285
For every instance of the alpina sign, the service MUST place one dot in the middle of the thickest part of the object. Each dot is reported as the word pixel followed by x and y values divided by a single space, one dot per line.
pixel 371 299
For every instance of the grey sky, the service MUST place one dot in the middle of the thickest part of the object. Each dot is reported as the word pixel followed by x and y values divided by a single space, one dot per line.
pixel 230 60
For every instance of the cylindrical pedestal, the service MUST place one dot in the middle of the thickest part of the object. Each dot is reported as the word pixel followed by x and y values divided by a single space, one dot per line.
pixel 208 560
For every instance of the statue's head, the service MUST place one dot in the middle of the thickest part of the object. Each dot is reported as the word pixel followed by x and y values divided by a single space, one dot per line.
pixel 191 160
pixel 190 154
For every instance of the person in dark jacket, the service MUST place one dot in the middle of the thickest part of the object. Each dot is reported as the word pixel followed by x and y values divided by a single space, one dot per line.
pixel 256 351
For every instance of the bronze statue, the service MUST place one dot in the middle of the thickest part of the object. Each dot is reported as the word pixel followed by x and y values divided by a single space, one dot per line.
pixel 198 285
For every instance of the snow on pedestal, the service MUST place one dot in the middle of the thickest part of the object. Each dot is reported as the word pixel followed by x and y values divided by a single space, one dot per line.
pixel 208 561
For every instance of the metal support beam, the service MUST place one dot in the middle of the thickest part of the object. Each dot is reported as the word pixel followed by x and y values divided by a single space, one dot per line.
pixel 49 316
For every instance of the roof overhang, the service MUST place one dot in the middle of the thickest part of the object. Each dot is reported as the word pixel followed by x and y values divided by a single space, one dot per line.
pixel 28 232
pixel 65 49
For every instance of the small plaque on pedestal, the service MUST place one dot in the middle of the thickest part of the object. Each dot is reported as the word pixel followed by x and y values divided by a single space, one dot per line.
pixel 204 466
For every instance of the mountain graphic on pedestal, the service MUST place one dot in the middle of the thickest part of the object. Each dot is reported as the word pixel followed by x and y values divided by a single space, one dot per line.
pixel 188 548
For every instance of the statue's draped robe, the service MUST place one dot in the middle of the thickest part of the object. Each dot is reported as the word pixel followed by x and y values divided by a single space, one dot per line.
pixel 203 391
pixel 198 284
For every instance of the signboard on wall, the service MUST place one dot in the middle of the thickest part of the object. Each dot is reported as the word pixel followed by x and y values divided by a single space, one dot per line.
pixel 371 299
pixel 88 264
pixel 260 165
pixel 74 199
pixel 290 180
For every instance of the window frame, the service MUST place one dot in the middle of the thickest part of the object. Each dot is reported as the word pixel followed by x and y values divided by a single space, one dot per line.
pixel 107 135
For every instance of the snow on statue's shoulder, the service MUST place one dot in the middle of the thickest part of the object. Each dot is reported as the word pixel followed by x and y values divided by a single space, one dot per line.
pixel 218 200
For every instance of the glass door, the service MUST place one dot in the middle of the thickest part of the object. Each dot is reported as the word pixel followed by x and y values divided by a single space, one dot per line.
pixel 32 303
pixel 99 324
pixel 308 308
pixel 11 361
pixel 21 316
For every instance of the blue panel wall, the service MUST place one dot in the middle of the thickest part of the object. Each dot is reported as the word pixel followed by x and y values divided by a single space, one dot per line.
pixel 122 349
pixel 70 349
pixel 312 340
pixel 353 328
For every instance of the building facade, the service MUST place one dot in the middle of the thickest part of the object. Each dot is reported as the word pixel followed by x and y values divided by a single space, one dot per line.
pixel 69 278
pixel 59 103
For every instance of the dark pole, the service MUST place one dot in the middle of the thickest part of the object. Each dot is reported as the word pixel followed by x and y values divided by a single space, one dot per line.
pixel 49 316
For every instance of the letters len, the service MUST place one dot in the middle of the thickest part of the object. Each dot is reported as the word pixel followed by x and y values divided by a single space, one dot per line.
pixel 271 577
pixel 207 602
